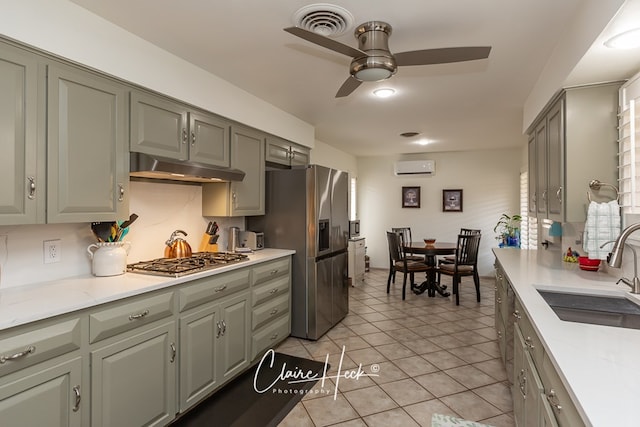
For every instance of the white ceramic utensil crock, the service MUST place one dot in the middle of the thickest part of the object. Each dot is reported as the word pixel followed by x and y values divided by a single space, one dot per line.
pixel 109 258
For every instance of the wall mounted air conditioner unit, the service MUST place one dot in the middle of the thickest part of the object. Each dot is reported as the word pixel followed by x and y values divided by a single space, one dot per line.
pixel 415 167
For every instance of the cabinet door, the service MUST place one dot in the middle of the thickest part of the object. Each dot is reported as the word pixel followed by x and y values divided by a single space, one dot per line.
pixel 247 154
pixel 22 171
pixel 299 155
pixel 43 396
pixel 519 391
pixel 541 169
pixel 233 354
pixel 533 171
pixel 277 151
pixel 133 381
pixel 555 145
pixel 198 346
pixel 88 170
pixel 158 126
pixel 209 139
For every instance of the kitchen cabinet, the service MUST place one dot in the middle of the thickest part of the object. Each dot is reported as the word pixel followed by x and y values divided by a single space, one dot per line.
pixel 22 166
pixel 283 152
pixel 574 141
pixel 240 198
pixel 539 397
pixel 88 170
pixel 163 127
pixel 41 367
pixel 133 362
pixel 356 249
pixel 271 305
pixel 214 334
pixel 504 315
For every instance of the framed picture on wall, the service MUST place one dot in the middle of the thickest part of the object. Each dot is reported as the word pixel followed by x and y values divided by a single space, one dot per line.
pixel 452 200
pixel 410 197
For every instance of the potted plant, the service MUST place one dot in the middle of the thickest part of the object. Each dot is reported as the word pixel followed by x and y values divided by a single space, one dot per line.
pixel 508 229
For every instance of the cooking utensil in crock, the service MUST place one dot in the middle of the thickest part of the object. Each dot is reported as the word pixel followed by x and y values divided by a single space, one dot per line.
pixel 102 230
pixel 177 247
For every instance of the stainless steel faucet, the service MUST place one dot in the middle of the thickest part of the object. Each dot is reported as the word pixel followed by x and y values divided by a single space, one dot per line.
pixel 615 258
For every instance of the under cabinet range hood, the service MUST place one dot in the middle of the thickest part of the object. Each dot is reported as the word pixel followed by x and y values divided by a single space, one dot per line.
pixel 148 166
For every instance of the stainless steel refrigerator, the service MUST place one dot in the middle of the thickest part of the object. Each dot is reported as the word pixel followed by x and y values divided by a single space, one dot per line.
pixel 306 209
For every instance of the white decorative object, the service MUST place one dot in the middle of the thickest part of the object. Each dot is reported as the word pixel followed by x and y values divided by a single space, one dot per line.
pixel 109 258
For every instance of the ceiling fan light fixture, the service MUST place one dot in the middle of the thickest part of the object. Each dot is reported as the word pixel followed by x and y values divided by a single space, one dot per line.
pixel 372 74
pixel 384 92
pixel 627 40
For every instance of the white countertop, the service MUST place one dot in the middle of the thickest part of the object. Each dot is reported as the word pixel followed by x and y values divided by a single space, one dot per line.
pixel 600 365
pixel 29 303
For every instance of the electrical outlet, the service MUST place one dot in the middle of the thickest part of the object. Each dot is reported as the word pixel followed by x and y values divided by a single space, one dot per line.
pixel 52 251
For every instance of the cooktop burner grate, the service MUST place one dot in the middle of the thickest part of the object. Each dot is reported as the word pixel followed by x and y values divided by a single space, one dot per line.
pixel 176 267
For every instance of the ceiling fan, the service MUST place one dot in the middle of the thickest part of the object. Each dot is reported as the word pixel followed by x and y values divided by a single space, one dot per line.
pixel 373 61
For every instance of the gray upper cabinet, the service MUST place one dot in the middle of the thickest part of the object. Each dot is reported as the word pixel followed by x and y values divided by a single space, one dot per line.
pixel 162 127
pixel 574 141
pixel 239 198
pixel 283 152
pixel 88 170
pixel 22 165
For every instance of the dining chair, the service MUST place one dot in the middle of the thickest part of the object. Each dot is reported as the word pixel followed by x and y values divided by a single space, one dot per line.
pixel 398 261
pixel 465 264
pixel 406 235
pixel 450 259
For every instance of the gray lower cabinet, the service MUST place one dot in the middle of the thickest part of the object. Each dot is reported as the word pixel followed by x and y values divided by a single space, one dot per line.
pixel 283 152
pixel 239 198
pixel 133 362
pixel 88 169
pixel 214 334
pixel 166 128
pixel 22 165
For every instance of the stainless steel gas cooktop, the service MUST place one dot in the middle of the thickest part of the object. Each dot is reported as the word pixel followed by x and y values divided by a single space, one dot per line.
pixel 176 267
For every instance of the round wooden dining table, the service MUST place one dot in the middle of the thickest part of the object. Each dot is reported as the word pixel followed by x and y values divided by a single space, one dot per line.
pixel 430 252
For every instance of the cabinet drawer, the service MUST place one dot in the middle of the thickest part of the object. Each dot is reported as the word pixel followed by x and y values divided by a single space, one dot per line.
pixel 357 244
pixel 532 342
pixel 270 270
pixel 124 317
pixel 557 396
pixel 270 290
pixel 38 343
pixel 211 288
pixel 268 311
pixel 269 336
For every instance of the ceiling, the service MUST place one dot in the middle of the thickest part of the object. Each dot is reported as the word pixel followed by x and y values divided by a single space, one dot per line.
pixel 459 106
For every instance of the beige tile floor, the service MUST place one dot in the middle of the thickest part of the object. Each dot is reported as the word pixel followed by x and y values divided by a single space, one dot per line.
pixel 431 357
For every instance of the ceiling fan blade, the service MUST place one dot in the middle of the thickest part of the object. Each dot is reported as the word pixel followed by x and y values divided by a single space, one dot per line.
pixel 442 55
pixel 325 42
pixel 348 86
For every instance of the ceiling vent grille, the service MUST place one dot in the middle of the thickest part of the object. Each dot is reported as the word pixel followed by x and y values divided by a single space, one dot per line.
pixel 324 19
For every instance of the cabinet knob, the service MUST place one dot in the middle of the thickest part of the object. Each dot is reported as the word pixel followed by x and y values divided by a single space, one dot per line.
pixel 120 192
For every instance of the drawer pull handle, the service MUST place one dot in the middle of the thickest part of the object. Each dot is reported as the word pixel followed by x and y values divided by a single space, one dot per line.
pixel 522 382
pixel 29 350
pixel 274 272
pixel 173 353
pixel 221 288
pixel 516 314
pixel 528 343
pixel 500 334
pixel 120 192
pixel 224 327
pixel 138 316
pixel 499 300
pixel 495 288
pixel 219 327
pixel 76 391
pixel 273 291
pixel 32 188
pixel 274 311
pixel 552 398
pixel 274 336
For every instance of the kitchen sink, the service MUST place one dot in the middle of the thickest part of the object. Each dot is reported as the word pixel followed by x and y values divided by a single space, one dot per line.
pixel 594 309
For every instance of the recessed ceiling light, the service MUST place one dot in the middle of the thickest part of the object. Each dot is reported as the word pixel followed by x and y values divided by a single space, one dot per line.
pixel 627 40
pixel 384 92
pixel 409 134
